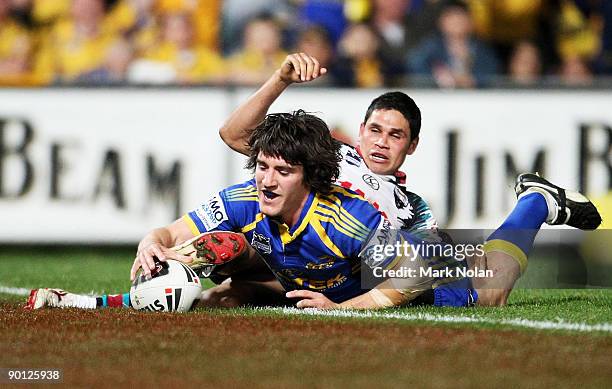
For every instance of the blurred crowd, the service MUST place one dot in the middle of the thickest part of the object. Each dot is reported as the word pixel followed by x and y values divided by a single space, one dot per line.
pixel 363 43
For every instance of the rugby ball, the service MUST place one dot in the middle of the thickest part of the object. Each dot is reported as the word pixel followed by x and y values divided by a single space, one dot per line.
pixel 173 286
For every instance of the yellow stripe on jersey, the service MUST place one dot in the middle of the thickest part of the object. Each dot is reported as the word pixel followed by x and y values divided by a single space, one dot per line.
pixel 346 224
pixel 247 190
pixel 286 237
pixel 192 226
pixel 344 213
pixel 351 234
pixel 345 216
pixel 242 198
pixel 316 225
pixel 259 217
pixel 347 193
pixel 242 194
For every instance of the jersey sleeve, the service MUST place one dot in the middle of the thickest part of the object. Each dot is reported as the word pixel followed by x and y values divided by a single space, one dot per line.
pixel 379 250
pixel 228 210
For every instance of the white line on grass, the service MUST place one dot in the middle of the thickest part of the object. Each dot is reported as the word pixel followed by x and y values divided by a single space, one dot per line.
pixel 516 322
pixel 25 291
pixel 15 291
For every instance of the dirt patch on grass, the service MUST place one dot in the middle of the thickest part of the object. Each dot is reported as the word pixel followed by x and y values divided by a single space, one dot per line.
pixel 127 348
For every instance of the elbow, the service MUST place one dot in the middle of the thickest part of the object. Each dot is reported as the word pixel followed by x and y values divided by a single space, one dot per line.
pixel 235 143
pixel 224 134
pixel 226 137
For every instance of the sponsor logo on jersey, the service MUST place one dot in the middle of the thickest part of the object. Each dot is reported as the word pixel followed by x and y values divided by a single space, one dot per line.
pixel 371 181
pixel 261 243
pixel 212 213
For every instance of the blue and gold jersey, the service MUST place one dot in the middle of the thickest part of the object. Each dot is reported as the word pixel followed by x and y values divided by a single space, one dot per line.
pixel 319 253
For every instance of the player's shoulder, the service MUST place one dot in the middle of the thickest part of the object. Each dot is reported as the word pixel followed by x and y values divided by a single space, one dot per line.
pixel 347 218
pixel 230 209
pixel 350 156
pixel 241 202
pixel 414 199
pixel 244 192
pixel 352 202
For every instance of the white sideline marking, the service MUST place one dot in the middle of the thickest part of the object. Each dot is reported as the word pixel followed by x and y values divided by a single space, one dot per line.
pixel 15 291
pixel 26 292
pixel 517 322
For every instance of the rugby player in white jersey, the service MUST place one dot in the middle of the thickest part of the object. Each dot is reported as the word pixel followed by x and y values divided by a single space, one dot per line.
pixel 389 133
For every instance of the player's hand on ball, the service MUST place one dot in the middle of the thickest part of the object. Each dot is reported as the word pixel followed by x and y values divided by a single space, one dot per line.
pixel 145 258
pixel 312 300
pixel 300 67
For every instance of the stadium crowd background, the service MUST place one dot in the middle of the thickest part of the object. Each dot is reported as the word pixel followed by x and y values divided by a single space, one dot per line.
pixel 364 43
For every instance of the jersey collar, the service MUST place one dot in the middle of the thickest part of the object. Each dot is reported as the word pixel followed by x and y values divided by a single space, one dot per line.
pixel 289 234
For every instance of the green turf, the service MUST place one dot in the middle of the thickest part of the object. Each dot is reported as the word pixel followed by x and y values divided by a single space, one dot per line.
pixel 100 270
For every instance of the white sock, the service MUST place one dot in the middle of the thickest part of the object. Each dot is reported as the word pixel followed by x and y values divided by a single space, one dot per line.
pixel 78 301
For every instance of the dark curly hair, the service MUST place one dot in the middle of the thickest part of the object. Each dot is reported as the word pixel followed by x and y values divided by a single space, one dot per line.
pixel 300 139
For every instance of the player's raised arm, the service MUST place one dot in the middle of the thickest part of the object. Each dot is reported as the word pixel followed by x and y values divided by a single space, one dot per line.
pixel 297 67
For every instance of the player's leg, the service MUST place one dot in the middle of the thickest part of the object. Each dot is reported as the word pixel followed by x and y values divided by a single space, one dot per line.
pixel 58 298
pixel 506 271
pixel 507 249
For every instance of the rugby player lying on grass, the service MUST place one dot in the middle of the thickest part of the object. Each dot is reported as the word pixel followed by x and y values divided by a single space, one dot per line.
pixel 309 232
pixel 389 132
pixel 314 236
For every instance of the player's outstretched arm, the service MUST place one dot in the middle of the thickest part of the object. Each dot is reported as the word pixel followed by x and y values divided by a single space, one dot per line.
pixel 374 299
pixel 296 68
pixel 158 243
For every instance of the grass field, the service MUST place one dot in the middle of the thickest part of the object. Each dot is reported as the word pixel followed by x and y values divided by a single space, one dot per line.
pixel 543 338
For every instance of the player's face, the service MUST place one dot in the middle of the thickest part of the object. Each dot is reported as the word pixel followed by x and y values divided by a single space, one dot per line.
pixel 384 141
pixel 280 188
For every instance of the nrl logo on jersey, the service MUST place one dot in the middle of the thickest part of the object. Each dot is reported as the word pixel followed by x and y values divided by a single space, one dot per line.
pixel 261 243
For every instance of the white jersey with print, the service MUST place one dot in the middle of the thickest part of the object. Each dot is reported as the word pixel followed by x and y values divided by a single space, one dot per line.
pixel 404 210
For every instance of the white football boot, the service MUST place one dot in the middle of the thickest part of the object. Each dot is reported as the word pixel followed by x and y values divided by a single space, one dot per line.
pixel 48 297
